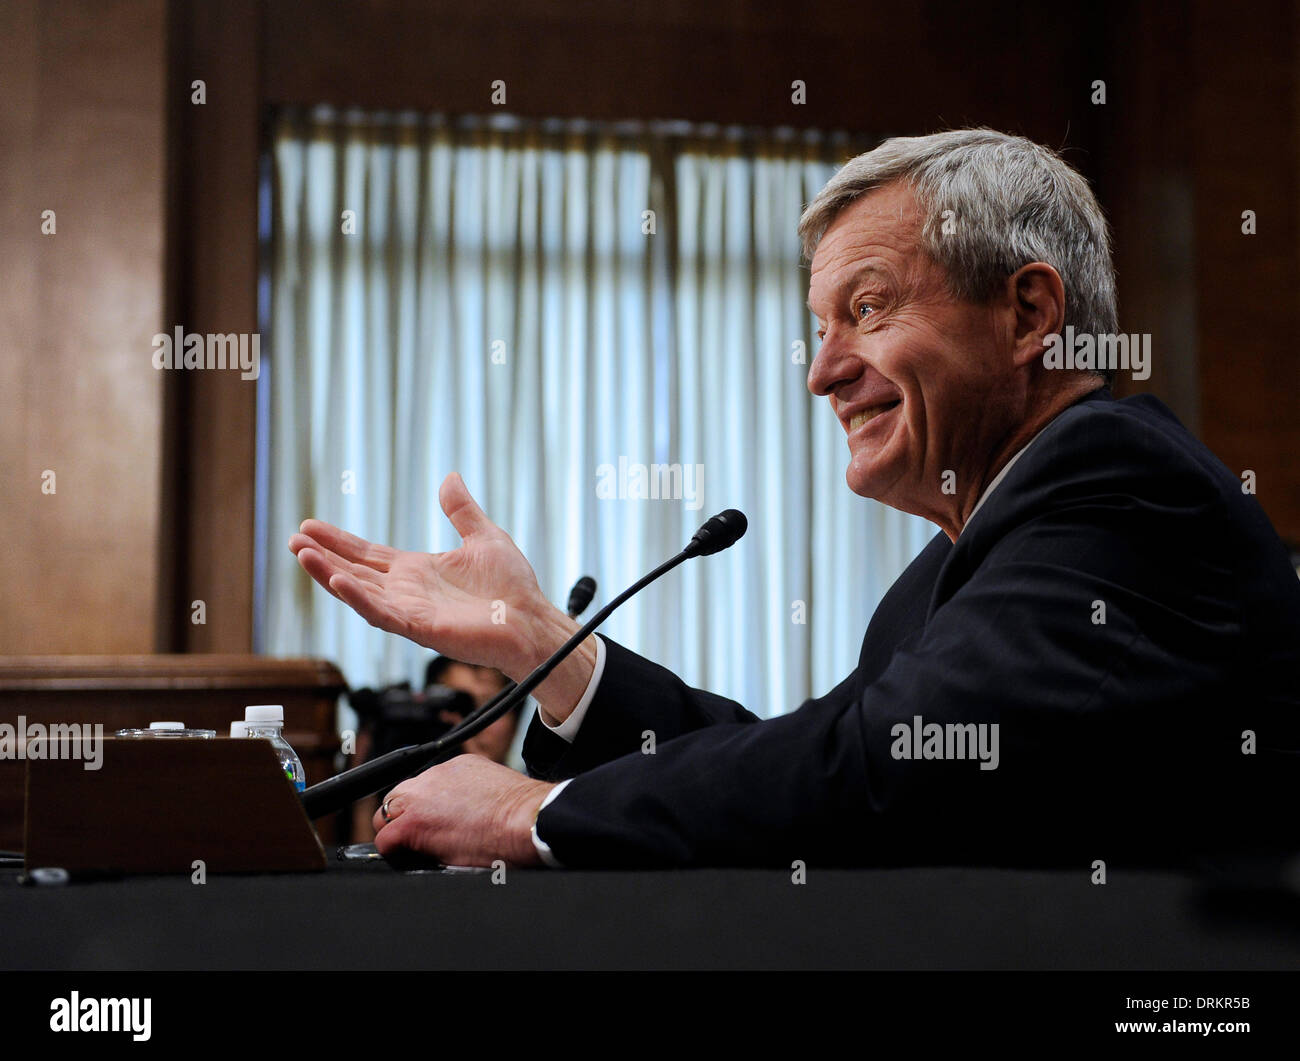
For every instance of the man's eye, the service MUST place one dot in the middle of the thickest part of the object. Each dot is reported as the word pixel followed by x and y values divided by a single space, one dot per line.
pixel 864 308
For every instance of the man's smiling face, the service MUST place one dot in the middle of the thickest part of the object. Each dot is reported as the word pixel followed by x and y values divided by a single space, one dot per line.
pixel 914 375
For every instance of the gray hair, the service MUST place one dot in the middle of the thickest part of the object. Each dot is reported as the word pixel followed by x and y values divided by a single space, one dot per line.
pixel 992 203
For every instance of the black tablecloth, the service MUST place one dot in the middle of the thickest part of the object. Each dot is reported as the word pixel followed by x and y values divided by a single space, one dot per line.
pixel 370 916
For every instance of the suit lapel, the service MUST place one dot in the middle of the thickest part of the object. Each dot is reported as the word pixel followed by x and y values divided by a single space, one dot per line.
pixel 904 609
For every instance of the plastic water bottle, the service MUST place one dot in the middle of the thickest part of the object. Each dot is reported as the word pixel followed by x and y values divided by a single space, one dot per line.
pixel 267 721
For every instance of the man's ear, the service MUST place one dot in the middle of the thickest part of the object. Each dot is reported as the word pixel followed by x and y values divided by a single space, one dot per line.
pixel 1037 297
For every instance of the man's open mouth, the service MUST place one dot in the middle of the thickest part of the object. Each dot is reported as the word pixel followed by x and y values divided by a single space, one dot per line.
pixel 867 415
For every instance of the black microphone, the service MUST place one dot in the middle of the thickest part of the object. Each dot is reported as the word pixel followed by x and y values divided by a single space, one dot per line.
pixel 581 595
pixel 720 532
pixel 331 796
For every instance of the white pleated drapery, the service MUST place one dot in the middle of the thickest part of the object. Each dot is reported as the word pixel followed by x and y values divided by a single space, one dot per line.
pixel 547 308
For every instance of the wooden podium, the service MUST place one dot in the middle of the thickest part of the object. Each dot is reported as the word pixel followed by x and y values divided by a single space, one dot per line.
pixel 165 806
pixel 203 691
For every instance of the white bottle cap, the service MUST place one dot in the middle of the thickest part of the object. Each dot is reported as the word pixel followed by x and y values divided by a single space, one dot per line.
pixel 264 713
pixel 166 725
pixel 238 729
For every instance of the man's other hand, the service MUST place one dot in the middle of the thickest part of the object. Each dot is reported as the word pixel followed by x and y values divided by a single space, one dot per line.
pixel 468 811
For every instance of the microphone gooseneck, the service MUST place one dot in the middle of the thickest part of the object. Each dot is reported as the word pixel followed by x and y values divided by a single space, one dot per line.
pixel 579 597
pixel 328 797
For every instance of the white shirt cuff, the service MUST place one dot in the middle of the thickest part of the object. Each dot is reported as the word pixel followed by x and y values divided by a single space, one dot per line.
pixel 543 848
pixel 568 729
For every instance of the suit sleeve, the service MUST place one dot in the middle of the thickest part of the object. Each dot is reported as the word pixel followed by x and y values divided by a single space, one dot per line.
pixel 634 695
pixel 1108 739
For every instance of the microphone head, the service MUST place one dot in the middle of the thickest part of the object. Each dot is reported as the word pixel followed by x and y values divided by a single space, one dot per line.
pixel 720 532
pixel 581 594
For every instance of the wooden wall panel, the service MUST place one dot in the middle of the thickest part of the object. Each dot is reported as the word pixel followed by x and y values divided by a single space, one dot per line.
pixel 1247 142
pixel 876 67
pixel 213 422
pixel 82 134
pixel 1148 188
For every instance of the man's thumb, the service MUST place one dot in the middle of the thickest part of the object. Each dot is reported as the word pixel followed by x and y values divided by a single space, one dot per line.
pixel 460 508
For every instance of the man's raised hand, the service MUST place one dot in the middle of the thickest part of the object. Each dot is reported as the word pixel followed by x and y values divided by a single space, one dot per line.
pixel 473 603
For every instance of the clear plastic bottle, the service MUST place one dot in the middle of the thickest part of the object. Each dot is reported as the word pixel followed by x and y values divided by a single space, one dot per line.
pixel 267 721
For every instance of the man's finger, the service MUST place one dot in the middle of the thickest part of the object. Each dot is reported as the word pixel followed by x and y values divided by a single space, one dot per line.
pixel 316 565
pixel 366 600
pixel 388 838
pixel 379 821
pixel 461 508
pixel 300 543
pixel 346 545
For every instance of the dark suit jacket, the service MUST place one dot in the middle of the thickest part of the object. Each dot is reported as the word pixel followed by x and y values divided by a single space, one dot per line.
pixel 1124 738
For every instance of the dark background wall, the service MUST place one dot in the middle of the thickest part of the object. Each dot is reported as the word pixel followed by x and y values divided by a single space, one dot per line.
pixel 156 207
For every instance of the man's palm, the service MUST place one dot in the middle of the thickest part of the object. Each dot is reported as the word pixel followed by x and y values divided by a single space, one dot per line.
pixel 460 603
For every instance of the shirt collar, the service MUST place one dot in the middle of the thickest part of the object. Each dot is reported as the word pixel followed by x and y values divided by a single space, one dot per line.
pixel 1101 393
pixel 999 477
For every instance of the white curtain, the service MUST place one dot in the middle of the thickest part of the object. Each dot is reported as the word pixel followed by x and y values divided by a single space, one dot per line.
pixel 540 307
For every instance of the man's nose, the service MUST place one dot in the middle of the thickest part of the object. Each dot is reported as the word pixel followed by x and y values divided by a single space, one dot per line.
pixel 834 364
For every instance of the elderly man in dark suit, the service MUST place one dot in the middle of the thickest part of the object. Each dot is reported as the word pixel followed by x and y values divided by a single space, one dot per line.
pixel 1095 657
